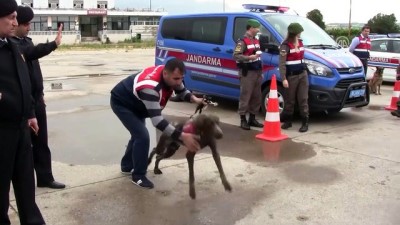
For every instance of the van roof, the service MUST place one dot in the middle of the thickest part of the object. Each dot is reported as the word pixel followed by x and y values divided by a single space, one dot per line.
pixel 254 9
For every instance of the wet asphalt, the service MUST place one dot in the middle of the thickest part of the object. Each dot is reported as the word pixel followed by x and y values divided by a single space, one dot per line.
pixel 345 170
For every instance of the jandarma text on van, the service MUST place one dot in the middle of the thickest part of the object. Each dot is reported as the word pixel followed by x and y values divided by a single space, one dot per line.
pixel 204 60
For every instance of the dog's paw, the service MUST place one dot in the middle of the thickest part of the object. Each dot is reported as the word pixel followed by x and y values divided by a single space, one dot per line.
pixel 227 187
pixel 157 171
pixel 192 193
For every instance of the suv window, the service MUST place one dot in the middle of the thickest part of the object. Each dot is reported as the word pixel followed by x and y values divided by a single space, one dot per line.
pixel 379 45
pixel 200 29
pixel 312 34
pixel 240 30
pixel 396 46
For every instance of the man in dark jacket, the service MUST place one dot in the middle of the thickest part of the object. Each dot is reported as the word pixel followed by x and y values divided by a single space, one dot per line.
pixel 40 147
pixel 16 118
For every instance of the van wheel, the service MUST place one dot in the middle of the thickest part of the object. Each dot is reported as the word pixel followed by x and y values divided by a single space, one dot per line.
pixel 265 95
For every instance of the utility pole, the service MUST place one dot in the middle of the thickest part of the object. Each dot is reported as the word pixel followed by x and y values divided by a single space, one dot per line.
pixel 150 5
pixel 350 21
pixel 223 4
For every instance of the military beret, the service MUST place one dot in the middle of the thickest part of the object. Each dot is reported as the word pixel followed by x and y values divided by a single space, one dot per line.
pixel 7 7
pixel 253 23
pixel 295 28
pixel 24 14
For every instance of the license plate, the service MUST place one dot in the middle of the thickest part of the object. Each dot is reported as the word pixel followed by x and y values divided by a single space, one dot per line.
pixel 357 93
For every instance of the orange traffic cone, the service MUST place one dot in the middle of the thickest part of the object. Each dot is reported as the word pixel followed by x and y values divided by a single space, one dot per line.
pixel 395 97
pixel 272 123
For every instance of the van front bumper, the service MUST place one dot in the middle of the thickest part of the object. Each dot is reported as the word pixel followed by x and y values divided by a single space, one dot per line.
pixel 322 98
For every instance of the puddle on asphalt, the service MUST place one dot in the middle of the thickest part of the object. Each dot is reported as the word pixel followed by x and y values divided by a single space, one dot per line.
pixel 238 143
pixel 376 107
pixel 119 202
pixel 303 173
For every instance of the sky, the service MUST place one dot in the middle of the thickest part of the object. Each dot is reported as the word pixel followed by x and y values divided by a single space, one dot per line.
pixel 333 11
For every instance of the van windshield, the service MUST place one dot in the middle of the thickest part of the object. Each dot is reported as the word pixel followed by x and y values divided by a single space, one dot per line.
pixel 312 36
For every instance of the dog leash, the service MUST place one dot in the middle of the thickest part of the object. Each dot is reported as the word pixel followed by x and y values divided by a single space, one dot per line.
pixel 201 107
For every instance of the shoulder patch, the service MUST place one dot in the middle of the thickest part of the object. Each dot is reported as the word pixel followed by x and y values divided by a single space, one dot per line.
pixel 238 47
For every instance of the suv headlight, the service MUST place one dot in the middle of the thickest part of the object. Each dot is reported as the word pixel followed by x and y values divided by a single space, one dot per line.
pixel 318 69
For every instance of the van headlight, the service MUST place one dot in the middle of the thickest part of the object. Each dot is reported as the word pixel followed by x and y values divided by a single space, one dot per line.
pixel 318 69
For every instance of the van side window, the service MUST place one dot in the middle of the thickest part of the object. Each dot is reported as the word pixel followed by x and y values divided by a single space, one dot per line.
pixel 379 46
pixel 200 29
pixel 396 46
pixel 240 30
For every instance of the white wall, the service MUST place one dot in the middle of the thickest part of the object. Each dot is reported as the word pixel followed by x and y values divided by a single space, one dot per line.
pixel 40 4
pixel 19 2
pixel 90 4
pixel 66 4
pixel 111 4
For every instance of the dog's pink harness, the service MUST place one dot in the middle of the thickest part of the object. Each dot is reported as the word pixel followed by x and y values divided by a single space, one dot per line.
pixel 189 128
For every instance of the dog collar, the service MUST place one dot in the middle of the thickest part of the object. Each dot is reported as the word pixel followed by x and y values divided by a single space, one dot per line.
pixel 189 128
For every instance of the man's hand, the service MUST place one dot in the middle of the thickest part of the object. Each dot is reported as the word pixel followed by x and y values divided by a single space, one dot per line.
pixel 190 141
pixel 253 57
pixel 33 124
pixel 285 83
pixel 197 100
pixel 59 35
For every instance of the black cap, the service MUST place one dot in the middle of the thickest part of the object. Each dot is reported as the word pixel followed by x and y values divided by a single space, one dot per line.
pixel 24 14
pixel 7 7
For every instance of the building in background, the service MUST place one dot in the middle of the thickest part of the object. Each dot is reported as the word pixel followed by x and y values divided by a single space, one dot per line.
pixel 90 20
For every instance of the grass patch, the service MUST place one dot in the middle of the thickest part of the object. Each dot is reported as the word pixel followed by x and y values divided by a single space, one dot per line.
pixel 99 46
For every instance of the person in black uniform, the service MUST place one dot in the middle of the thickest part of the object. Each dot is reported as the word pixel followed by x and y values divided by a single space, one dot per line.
pixel 41 150
pixel 16 119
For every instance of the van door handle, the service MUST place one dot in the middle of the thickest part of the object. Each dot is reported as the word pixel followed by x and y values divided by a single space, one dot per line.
pixel 230 51
pixel 217 49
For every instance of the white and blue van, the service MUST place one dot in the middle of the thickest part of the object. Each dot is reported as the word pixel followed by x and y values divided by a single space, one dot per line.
pixel 205 43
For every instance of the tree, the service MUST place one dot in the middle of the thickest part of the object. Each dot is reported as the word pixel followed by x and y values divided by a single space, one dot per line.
pixel 316 16
pixel 383 24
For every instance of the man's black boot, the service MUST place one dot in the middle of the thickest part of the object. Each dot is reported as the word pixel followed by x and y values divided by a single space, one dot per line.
pixel 395 113
pixel 243 123
pixel 287 121
pixel 304 124
pixel 286 125
pixel 253 122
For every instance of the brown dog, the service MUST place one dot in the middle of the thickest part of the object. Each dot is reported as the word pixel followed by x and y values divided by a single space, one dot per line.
pixel 376 81
pixel 209 131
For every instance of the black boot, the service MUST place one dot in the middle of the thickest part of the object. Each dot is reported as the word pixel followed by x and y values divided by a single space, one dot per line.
pixel 287 121
pixel 253 122
pixel 286 125
pixel 395 113
pixel 304 124
pixel 243 123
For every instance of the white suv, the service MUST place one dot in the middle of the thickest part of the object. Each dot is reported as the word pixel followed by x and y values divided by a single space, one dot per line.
pixel 385 52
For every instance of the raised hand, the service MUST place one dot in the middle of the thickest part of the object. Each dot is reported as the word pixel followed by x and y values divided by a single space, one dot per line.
pixel 59 35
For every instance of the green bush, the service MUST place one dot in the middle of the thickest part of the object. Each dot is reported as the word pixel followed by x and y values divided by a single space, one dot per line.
pixel 337 32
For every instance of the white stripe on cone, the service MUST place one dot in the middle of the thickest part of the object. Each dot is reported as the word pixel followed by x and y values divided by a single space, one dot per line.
pixel 272 117
pixel 273 94
pixel 396 94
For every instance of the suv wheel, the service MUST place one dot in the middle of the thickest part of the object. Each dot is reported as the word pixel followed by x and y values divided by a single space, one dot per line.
pixel 265 95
